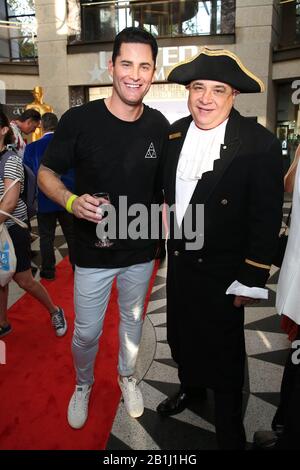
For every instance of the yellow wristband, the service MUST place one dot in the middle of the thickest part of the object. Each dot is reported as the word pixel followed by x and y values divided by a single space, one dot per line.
pixel 70 202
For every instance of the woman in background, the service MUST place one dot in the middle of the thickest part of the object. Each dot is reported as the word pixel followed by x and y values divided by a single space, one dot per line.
pixel 13 204
pixel 286 422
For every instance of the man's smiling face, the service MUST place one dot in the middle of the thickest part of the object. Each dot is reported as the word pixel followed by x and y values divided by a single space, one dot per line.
pixel 210 102
pixel 132 72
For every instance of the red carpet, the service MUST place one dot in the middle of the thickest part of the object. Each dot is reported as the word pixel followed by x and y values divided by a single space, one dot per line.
pixel 38 378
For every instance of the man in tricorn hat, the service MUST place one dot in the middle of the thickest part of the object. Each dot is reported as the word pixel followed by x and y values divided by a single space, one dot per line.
pixel 232 166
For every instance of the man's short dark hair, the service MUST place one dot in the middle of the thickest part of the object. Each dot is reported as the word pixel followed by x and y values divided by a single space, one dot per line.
pixel 49 121
pixel 32 114
pixel 134 35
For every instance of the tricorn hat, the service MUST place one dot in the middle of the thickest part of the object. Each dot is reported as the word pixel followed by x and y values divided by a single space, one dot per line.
pixel 218 65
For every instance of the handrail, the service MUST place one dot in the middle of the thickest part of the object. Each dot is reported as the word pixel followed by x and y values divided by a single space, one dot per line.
pixel 15 25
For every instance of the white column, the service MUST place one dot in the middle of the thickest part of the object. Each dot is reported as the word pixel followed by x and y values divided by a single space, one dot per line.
pixel 256 32
pixel 51 18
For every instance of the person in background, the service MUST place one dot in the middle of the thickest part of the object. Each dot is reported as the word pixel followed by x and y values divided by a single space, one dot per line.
pixel 232 168
pixel 24 124
pixel 285 424
pixel 49 212
pixel 289 179
pixel 13 204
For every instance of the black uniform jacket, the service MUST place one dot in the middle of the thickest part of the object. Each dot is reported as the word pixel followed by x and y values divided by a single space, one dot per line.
pixel 242 199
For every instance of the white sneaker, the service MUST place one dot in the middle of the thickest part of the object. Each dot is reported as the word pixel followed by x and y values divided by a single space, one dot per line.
pixel 78 406
pixel 132 395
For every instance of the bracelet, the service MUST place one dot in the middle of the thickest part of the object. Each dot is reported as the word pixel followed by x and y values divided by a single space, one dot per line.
pixel 70 202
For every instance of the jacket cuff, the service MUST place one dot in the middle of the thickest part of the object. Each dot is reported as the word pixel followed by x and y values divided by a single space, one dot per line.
pixel 253 274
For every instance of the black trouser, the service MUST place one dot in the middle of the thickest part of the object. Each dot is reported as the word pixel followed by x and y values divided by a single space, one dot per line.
pixel 229 420
pixel 230 430
pixel 288 412
pixel 47 225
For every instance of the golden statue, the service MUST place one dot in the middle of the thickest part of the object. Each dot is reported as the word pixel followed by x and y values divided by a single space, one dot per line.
pixel 41 107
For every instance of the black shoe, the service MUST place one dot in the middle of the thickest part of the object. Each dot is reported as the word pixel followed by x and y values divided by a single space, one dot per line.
pixel 265 440
pixel 277 422
pixel 177 403
pixel 5 330
pixel 59 322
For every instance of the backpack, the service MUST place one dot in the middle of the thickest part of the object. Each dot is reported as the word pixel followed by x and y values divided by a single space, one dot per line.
pixel 29 195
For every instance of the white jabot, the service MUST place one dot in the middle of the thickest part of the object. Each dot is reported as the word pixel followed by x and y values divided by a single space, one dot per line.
pixel 200 149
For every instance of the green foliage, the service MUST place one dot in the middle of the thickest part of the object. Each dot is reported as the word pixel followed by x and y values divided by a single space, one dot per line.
pixel 26 49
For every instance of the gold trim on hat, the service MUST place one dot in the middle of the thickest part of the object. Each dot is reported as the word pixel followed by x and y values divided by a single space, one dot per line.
pixel 222 52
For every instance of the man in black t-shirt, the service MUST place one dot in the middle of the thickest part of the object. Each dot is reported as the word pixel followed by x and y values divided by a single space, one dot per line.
pixel 115 146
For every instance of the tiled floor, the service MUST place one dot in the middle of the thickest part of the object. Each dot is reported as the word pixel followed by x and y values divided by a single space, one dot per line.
pixel 194 428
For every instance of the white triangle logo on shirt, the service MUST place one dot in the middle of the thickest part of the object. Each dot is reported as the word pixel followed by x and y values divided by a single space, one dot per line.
pixel 151 153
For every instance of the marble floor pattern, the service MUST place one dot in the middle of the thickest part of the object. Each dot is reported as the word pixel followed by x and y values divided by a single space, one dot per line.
pixel 192 429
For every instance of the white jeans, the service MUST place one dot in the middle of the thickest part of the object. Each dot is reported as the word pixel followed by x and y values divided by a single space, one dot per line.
pixel 91 296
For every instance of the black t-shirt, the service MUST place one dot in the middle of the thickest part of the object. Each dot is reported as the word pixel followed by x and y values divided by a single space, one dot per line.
pixel 120 157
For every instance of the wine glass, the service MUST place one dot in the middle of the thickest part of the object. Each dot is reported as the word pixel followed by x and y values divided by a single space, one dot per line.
pixel 104 198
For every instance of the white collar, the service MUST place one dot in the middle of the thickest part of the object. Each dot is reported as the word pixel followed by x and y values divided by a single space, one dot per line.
pixel 200 149
pixel 47 133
